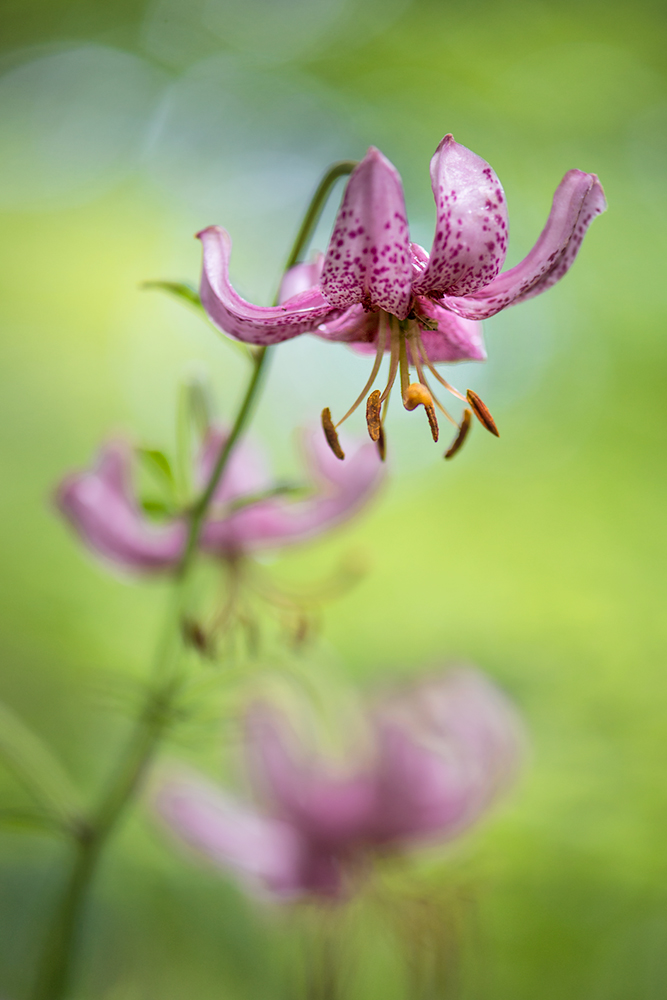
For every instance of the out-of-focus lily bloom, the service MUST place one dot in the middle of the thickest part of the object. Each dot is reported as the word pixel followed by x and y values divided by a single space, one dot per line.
pixel 276 521
pixel 377 290
pixel 102 506
pixel 441 753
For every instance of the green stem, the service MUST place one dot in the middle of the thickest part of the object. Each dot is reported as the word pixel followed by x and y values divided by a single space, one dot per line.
pixel 311 218
pixel 198 510
pixel 55 969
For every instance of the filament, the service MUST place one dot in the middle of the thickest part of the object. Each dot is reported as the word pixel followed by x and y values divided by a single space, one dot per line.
pixel 393 366
pixel 433 370
pixel 403 363
pixel 415 351
pixel 382 336
pixel 437 402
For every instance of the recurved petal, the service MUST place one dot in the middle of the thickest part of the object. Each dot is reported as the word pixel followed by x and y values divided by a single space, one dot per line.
pixel 339 490
pixel 331 809
pixel 456 339
pixel 246 472
pixel 101 507
pixel 421 793
pixel 238 318
pixel 578 199
pixel 260 849
pixel 368 258
pixel 301 278
pixel 355 325
pixel 449 748
pixel 470 239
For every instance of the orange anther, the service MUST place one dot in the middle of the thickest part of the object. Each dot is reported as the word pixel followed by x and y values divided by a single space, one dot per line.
pixel 373 415
pixel 330 433
pixel 481 411
pixel 461 436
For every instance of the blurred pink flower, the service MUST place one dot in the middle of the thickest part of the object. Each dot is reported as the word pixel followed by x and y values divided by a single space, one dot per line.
pixel 102 506
pixel 372 276
pixel 442 752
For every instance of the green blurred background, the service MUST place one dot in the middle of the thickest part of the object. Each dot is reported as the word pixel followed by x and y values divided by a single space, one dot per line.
pixel 124 128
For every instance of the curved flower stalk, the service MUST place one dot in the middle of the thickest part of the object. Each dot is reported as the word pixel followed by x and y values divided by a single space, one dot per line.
pixel 248 512
pixel 376 290
pixel 440 754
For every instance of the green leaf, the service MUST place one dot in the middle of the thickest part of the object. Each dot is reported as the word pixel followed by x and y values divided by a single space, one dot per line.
pixel 31 761
pixel 186 292
pixel 281 489
pixel 158 464
pixel 199 405
pixel 21 819
pixel 178 288
pixel 157 509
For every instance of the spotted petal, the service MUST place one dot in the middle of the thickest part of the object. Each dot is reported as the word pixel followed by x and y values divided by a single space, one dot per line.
pixel 578 199
pixel 301 278
pixel 455 339
pixel 355 325
pixel 470 239
pixel 226 309
pixel 368 258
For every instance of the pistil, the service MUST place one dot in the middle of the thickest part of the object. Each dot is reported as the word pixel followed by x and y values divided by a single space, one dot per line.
pixel 416 395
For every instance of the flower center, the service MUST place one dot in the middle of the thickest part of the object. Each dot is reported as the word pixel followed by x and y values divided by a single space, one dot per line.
pixel 406 349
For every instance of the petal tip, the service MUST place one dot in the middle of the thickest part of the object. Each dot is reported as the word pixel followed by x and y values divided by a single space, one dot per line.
pixel 375 158
pixel 213 231
pixel 447 140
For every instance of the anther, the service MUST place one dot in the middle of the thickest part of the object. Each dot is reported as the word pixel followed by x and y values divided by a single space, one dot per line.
pixel 373 415
pixel 194 635
pixel 382 444
pixel 330 433
pixel 417 394
pixel 461 436
pixel 481 411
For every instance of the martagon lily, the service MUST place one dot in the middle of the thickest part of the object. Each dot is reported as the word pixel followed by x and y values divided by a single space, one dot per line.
pixel 437 755
pixel 247 514
pixel 375 289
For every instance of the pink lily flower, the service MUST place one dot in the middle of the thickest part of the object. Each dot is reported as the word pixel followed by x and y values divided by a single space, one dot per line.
pixel 102 506
pixel 441 753
pixel 377 290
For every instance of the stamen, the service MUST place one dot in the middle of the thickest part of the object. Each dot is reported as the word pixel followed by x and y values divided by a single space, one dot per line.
pixel 373 415
pixel 417 394
pixel 481 411
pixel 403 363
pixel 434 371
pixel 414 351
pixel 382 337
pixel 194 635
pixel 393 365
pixel 385 407
pixel 461 436
pixel 437 402
pixel 330 433
pixel 382 444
